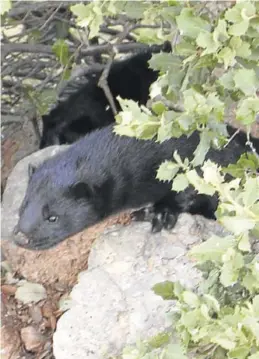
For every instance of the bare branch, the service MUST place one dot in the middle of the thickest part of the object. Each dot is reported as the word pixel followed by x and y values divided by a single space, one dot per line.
pixel 232 137
pixel 23 9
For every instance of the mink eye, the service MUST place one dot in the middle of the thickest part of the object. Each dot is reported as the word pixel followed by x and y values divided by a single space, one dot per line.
pixel 52 219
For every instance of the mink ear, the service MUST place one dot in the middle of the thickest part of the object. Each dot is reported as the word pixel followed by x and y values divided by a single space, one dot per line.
pixel 81 190
pixel 31 169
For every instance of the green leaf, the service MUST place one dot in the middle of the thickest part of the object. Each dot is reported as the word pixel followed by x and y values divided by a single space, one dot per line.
pixel 237 224
pixel 213 249
pixel 212 302
pixel 89 15
pixel 233 262
pixel 199 184
pixel 224 342
pixel 135 9
pixel 233 15
pixel 207 42
pixel 185 121
pixel 165 290
pixel 244 242
pixel 227 56
pixel 256 305
pixel 242 48
pixel 147 131
pixel 168 126
pixel 251 191
pixel 94 21
pixel 61 50
pixel 180 183
pixel 227 81
pixel 239 352
pixel 246 81
pixel 185 48
pixel 220 33
pixel 239 29
pixel 192 319
pixel 247 110
pixel 167 171
pixel 164 62
pixel 159 340
pixel 193 100
pixel 208 61
pixel 202 148
pixel 148 36
pixel 6 5
pixel 248 10
pixel 248 162
pixel 158 107
pixel 249 282
pixel 80 10
pixel 190 24
pixel 254 356
pixel 175 351
pixel 253 325
pixel 191 299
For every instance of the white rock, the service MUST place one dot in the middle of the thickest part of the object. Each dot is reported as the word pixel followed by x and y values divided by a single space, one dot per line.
pixel 113 303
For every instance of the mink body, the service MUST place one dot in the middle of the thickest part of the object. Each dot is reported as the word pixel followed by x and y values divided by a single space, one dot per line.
pixel 103 174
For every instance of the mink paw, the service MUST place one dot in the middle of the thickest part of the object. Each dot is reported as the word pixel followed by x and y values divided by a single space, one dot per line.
pixel 164 219
pixel 159 218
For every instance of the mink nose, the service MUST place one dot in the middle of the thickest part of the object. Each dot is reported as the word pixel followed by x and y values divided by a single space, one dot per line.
pixel 19 240
pixel 23 226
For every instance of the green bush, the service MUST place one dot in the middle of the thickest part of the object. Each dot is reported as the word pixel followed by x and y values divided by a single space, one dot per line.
pixel 213 68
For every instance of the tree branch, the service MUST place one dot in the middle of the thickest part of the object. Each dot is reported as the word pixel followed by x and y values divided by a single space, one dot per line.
pixel 87 51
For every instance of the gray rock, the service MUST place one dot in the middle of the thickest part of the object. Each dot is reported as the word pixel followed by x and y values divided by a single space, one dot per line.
pixel 17 182
pixel 113 304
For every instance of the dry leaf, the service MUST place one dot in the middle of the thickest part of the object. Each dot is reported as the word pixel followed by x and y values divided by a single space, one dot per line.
pixel 53 322
pixel 8 289
pixel 47 309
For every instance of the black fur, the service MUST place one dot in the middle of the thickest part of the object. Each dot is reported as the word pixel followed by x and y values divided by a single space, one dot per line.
pixel 88 108
pixel 102 174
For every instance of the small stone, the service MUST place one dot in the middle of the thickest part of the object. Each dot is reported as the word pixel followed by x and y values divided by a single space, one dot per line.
pixel 32 339
pixel 35 313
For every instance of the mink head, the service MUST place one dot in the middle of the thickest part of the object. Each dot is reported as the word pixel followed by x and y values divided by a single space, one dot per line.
pixel 55 206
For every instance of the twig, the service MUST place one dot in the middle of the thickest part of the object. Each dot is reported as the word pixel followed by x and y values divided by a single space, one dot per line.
pixel 231 138
pixel 17 11
pixel 250 144
pixel 103 83
pixel 89 51
pixel 51 17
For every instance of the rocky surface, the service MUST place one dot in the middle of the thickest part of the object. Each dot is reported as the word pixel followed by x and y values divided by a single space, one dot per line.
pixel 113 303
